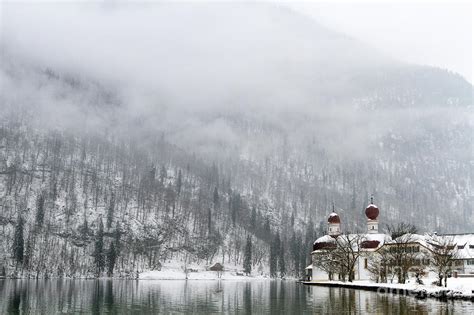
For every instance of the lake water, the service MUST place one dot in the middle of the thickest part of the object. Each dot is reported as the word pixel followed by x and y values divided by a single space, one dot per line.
pixel 206 297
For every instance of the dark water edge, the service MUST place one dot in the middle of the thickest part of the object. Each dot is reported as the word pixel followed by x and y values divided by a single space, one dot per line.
pixel 206 297
pixel 441 293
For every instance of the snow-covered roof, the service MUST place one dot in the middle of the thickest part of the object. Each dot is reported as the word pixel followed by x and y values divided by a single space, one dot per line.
pixel 382 238
pixel 409 238
pixel 324 239
pixel 412 238
pixel 309 267
pixel 369 237
pixel 379 237
pixel 333 214
pixel 463 244
pixel 422 239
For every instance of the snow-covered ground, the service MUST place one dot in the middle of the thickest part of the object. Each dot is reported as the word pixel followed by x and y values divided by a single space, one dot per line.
pixel 457 287
pixel 175 271
pixel 200 275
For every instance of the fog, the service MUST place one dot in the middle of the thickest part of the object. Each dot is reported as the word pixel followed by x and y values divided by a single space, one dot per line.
pixel 436 33
pixel 170 48
pixel 211 77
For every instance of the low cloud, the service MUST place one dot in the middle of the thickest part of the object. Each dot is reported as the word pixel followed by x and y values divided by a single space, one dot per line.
pixel 213 78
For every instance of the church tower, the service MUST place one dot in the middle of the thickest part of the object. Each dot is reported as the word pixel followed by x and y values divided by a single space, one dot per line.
pixel 334 224
pixel 372 212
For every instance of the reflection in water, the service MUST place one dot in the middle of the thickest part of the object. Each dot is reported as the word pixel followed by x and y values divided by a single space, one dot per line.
pixel 244 297
pixel 14 301
pixel 248 298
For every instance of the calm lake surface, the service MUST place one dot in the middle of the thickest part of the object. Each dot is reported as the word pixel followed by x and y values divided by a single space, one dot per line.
pixel 206 297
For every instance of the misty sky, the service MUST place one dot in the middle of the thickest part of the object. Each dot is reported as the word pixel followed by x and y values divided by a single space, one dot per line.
pixel 435 33
pixel 173 70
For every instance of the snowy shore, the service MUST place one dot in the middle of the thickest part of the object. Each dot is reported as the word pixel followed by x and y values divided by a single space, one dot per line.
pixel 175 271
pixel 201 275
pixel 457 288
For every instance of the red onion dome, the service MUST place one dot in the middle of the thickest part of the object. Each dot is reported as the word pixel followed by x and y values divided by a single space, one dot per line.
pixel 334 218
pixel 372 212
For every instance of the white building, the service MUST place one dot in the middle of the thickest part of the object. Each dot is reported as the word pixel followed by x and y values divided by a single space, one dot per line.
pixel 372 241
pixel 369 243
pixel 464 245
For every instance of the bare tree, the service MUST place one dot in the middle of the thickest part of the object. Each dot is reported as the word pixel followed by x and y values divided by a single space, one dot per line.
pixel 442 257
pixel 326 261
pixel 379 267
pixel 347 253
pixel 400 229
pixel 402 254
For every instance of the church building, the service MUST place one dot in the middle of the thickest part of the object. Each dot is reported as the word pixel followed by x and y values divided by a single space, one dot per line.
pixel 364 245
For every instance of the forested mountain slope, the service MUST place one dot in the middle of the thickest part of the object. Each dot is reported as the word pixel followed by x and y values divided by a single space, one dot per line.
pixel 216 133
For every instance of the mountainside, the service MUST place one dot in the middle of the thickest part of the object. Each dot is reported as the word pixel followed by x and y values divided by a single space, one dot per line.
pixel 221 129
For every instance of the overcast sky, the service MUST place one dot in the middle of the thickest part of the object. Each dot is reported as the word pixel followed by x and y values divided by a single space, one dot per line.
pixel 430 32
pixel 168 64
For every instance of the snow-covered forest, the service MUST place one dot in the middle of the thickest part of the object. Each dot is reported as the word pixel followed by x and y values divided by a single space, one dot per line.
pixel 105 168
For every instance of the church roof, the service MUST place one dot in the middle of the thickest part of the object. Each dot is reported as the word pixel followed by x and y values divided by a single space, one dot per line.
pixel 464 243
pixel 369 241
pixel 324 239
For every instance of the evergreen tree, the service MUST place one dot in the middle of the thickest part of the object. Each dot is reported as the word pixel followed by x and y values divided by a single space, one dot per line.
pixel 111 259
pixel 163 175
pixel 253 218
pixel 230 201
pixel 19 241
pixel 179 183
pixel 99 249
pixel 215 198
pixel 84 229
pixel 274 255
pixel 295 253
pixel 281 261
pixel 267 229
pixel 151 176
pixel 303 253
pixel 303 257
pixel 117 235
pixel 310 236
pixel 353 206
pixel 29 250
pixel 273 261
pixel 110 211
pixel 40 210
pixel 236 204
pixel 248 256
pixel 209 221
pixel 114 251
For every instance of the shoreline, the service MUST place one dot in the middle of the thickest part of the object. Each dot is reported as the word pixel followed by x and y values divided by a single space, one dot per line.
pixel 168 271
pixel 157 276
pixel 421 292
pixel 137 279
